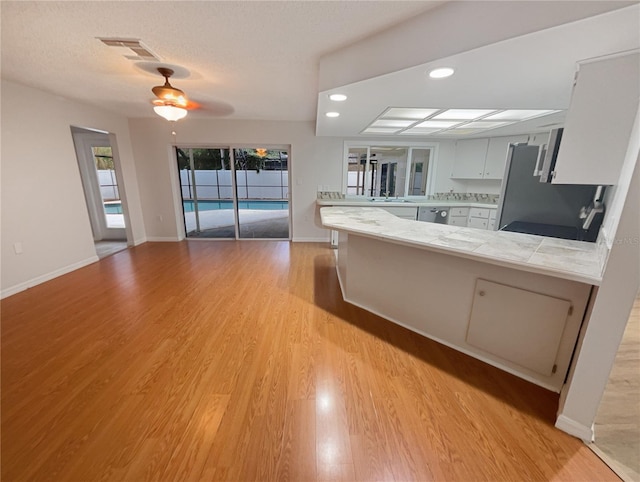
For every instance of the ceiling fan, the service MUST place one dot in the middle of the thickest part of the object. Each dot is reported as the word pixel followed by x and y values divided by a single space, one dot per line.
pixel 171 103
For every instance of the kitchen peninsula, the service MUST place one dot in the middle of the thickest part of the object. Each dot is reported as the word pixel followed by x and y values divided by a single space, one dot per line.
pixel 513 300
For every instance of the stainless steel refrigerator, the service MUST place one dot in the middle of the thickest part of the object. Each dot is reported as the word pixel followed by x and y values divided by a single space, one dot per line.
pixel 529 206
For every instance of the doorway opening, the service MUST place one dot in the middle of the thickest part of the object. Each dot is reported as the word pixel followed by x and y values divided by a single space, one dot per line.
pixel 99 167
pixel 235 192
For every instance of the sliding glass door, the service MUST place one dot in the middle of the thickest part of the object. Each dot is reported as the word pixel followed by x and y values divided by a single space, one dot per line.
pixel 207 192
pixel 234 193
pixel 262 193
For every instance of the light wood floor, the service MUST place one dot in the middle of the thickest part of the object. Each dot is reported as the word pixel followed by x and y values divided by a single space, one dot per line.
pixel 617 426
pixel 240 361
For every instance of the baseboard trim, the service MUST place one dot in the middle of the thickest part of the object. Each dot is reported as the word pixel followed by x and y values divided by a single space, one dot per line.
pixel 159 239
pixel 310 240
pixel 46 277
pixel 574 428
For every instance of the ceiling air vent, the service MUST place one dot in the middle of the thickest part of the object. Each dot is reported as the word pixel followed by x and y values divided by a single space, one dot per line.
pixel 141 51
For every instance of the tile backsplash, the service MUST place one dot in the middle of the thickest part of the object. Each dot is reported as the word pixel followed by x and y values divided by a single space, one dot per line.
pixel 468 196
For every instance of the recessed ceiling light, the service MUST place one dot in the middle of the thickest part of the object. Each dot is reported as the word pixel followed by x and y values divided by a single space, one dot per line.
pixel 463 114
pixel 333 114
pixel 441 73
pixel 338 97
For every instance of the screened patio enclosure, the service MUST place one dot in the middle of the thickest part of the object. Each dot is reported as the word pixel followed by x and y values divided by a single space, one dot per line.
pixel 235 193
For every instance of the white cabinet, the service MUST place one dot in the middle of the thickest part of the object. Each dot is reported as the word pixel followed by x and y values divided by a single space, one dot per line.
pixel 492 220
pixel 538 139
pixel 458 216
pixel 469 158
pixel 483 158
pixel 482 218
pixel 599 121
pixel 402 212
pixel 518 325
pixel 497 155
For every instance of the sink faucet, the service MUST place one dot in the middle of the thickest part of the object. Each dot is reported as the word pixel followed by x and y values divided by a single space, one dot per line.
pixel 386 195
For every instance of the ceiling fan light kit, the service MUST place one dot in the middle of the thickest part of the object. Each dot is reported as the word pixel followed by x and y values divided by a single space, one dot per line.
pixel 171 103
pixel 170 112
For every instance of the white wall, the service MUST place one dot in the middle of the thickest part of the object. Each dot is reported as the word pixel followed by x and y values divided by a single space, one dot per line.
pixel 314 161
pixel 446 30
pixel 43 205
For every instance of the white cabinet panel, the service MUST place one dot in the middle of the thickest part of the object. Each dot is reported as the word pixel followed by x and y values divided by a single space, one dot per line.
pixel 402 212
pixel 517 325
pixel 497 155
pixel 459 211
pixel 457 221
pixel 479 223
pixel 479 212
pixel 469 158
pixel 599 121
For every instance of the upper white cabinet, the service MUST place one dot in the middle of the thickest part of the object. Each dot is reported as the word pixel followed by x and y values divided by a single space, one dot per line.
pixel 599 121
pixel 497 155
pixel 469 158
pixel 482 158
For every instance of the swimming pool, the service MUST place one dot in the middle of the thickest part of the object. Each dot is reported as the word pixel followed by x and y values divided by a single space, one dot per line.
pixel 113 208
pixel 116 207
pixel 216 205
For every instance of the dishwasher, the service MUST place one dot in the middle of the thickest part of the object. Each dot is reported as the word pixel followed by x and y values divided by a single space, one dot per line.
pixel 433 214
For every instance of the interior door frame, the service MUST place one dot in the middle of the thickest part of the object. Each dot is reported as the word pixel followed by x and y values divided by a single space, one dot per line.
pixel 84 140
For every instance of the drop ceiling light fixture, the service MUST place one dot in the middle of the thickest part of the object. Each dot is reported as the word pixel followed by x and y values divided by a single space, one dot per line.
pixel 425 121
pixel 171 103
pixel 338 97
pixel 441 73
pixel 333 114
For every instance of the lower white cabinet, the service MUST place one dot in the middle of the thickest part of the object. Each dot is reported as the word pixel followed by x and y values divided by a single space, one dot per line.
pixel 458 216
pixel 518 325
pixel 479 223
pixel 402 212
pixel 482 218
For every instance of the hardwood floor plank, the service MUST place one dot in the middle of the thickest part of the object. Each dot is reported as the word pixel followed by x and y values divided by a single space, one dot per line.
pixel 240 361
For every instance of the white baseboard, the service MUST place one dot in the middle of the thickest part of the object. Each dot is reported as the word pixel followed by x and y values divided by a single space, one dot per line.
pixel 46 277
pixel 574 428
pixel 310 240
pixel 138 242
pixel 159 239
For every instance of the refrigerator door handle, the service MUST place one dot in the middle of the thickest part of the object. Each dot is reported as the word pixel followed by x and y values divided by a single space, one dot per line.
pixel 541 155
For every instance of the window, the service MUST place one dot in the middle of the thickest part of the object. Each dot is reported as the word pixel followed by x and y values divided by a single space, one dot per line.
pixel 393 169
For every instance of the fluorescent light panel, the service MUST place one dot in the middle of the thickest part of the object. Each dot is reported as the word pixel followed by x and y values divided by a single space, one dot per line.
pixel 420 130
pixel 518 115
pixel 463 114
pixel 482 124
pixel 438 123
pixel 407 113
pixel 380 130
pixel 392 123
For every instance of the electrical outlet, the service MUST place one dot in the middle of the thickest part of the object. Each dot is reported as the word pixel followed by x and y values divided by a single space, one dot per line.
pixel 160 218
pixel 17 247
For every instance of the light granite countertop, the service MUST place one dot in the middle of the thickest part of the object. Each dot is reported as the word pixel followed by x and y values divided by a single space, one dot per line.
pixel 567 259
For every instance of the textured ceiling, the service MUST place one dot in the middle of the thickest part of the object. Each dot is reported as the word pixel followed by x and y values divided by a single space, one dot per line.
pixel 248 60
